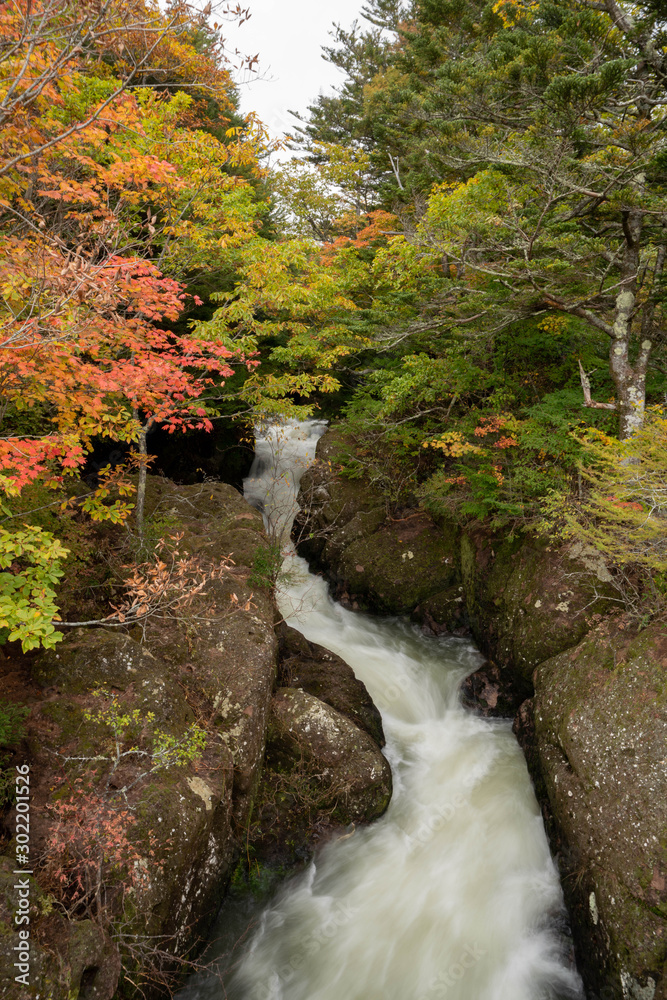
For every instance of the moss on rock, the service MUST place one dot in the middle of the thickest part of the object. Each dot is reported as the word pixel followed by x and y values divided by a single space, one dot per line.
pixel 406 564
pixel 339 759
pixel 527 600
pixel 319 672
pixel 601 722
pixel 214 663
pixel 67 959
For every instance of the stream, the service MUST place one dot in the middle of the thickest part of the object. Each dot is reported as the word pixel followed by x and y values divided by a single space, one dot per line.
pixel 453 893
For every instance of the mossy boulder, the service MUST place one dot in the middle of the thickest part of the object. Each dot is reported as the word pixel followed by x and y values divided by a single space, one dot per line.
pixel 528 599
pixel 341 763
pixel 402 563
pixel 400 567
pixel 601 722
pixel 212 663
pixel 319 672
pixel 113 661
pixel 67 959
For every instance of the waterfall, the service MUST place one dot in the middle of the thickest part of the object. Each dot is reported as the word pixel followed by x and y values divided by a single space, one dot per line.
pixel 453 893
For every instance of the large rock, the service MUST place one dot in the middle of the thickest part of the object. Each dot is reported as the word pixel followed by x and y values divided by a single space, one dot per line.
pixel 67 958
pixel 318 671
pixel 320 779
pixel 601 722
pixel 343 763
pixel 402 564
pixel 215 663
pixel 528 599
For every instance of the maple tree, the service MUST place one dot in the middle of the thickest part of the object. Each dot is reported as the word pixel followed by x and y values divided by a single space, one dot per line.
pixel 126 176
pixel 113 193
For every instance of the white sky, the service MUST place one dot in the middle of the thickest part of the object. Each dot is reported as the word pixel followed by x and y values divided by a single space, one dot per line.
pixel 288 35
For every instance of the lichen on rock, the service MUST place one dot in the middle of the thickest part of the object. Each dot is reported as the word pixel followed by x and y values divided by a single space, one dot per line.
pixel 214 665
pixel 342 762
pixel 601 722
pixel 594 733
pixel 323 674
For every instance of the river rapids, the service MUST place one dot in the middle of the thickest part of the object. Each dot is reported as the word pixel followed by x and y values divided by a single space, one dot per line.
pixel 453 893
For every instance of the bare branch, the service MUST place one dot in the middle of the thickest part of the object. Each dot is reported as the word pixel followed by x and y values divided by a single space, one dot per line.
pixel 586 386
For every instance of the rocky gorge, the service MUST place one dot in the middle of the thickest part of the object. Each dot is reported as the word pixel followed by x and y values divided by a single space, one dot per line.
pixel 291 753
pixel 293 738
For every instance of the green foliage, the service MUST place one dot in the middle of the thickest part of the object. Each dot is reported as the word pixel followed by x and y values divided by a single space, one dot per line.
pixel 133 730
pixel 256 878
pixel 12 730
pixel 509 226
pixel 30 560
pixel 623 510
pixel 178 751
pixel 12 723
pixel 266 565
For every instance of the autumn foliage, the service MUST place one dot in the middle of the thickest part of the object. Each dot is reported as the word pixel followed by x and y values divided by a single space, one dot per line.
pixel 124 173
pixel 92 200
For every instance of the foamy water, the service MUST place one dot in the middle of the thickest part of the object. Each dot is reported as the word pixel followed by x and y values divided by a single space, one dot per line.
pixel 453 892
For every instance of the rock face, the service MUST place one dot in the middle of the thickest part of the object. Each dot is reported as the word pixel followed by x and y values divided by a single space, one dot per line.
pixel 323 768
pixel 215 664
pixel 601 721
pixel 317 671
pixel 528 600
pixel 522 599
pixel 66 958
pixel 407 565
pixel 595 733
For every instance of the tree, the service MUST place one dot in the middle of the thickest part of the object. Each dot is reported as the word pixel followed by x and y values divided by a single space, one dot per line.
pixel 110 196
pixel 102 190
pixel 331 198
pixel 554 113
pixel 541 125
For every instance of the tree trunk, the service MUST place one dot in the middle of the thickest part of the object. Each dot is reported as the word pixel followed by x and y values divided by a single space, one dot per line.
pixel 631 393
pixel 141 486
pixel 630 380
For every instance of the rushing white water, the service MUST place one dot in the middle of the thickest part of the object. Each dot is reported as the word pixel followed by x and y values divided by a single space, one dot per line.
pixel 453 892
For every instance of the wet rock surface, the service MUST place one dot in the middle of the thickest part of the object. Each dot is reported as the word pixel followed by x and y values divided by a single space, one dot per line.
pixel 402 564
pixel 528 600
pixel 323 767
pixel 340 759
pixel 490 693
pixel 319 672
pixel 217 666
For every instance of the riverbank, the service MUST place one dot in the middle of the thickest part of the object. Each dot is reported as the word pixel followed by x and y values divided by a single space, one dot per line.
pixel 292 755
pixel 588 691
pixel 407 907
